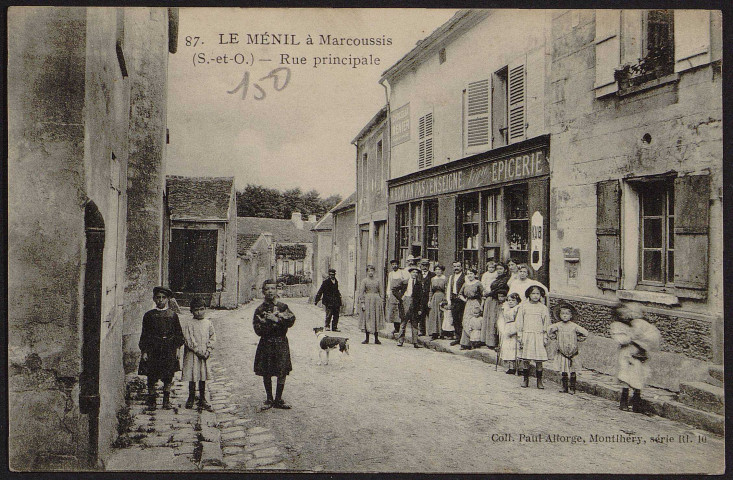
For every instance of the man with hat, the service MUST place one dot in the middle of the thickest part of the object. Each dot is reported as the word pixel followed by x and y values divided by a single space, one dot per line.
pixel 412 302
pixel 427 278
pixel 396 285
pixel 455 283
pixel 160 339
pixel 331 300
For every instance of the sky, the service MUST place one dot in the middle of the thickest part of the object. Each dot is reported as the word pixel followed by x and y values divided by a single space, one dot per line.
pixel 297 133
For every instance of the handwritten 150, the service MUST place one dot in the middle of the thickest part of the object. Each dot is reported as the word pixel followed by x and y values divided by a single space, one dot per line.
pixel 280 78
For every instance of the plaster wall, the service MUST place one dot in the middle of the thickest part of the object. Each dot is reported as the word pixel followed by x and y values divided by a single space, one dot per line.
pixel 505 37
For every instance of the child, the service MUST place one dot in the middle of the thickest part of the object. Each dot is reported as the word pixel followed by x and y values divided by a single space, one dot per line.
pixel 271 322
pixel 636 337
pixel 160 338
pixel 568 334
pixel 533 322
pixel 200 338
pixel 507 327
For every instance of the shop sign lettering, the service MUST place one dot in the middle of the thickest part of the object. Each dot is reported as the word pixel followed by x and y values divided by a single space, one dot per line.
pixel 516 167
pixel 400 122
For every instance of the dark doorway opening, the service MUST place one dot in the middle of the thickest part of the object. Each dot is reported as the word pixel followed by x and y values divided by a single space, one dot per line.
pixel 92 325
pixel 193 261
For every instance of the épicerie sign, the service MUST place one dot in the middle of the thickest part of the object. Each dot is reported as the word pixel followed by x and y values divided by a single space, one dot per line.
pixel 501 170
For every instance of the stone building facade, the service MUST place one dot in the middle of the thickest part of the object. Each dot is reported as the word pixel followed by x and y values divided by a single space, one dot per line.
pixel 202 251
pixel 372 172
pixel 636 200
pixel 76 80
pixel 343 250
pixel 322 246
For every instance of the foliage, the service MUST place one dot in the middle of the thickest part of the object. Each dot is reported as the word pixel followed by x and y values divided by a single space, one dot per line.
pixel 656 64
pixel 264 202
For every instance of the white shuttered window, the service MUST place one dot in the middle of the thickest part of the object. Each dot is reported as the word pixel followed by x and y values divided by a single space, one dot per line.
pixel 517 103
pixel 608 50
pixel 477 118
pixel 425 148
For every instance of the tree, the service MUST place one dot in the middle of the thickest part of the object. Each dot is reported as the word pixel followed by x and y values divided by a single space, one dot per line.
pixel 259 201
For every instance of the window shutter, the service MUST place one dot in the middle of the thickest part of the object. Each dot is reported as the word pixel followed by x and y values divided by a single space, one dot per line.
pixel 425 147
pixel 691 39
pixel 517 104
pixel 608 50
pixel 477 129
pixel 608 232
pixel 691 208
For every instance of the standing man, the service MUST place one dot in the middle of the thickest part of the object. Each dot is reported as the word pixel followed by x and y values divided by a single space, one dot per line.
pixel 396 285
pixel 331 300
pixel 412 301
pixel 412 263
pixel 427 277
pixel 455 282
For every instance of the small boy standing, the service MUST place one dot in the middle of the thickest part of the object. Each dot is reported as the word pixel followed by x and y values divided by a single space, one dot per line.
pixel 160 339
pixel 271 322
pixel 568 334
pixel 200 338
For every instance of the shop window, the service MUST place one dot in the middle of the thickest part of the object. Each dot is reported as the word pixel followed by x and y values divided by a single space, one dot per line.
pixel 657 234
pixel 417 223
pixel 476 101
pixel 517 222
pixel 431 231
pixel 469 230
pixel 403 232
pixel 425 147
pixel 492 225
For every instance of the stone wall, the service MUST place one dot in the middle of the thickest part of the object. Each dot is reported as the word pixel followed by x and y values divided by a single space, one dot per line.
pixel 146 48
pixel 674 127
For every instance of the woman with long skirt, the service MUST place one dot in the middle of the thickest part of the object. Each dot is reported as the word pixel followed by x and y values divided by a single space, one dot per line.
pixel 371 317
pixel 434 324
pixel 489 334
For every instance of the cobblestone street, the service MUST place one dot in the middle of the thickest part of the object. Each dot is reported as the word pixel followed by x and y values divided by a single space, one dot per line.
pixel 393 409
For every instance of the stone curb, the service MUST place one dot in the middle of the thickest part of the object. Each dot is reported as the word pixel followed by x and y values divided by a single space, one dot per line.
pixel 664 405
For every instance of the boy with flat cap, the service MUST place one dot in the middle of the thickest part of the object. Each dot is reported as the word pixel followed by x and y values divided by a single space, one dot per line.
pixel 159 342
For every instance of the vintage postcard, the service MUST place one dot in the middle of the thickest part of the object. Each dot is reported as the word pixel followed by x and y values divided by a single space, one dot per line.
pixel 365 240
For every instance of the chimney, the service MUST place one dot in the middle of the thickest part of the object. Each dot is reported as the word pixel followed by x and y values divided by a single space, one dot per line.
pixel 297 220
pixel 312 218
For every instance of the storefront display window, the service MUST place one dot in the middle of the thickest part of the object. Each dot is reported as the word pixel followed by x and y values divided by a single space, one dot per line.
pixel 517 224
pixel 417 223
pixel 403 232
pixel 470 215
pixel 431 231
pixel 492 239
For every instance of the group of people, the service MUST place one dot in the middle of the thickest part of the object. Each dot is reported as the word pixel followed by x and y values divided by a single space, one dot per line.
pixel 505 310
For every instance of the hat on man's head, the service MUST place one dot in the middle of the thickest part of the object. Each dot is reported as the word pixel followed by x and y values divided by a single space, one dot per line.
pixel 411 269
pixel 424 261
pixel 412 258
pixel 164 290
pixel 331 270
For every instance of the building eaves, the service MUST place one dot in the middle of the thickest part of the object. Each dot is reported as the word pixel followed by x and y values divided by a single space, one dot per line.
pixel 325 224
pixel 376 119
pixel 461 21
pixel 345 204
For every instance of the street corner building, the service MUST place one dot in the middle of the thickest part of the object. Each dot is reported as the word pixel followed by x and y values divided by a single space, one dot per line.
pixel 200 243
pixel 86 139
pixel 585 143
pixel 343 251
pixel 277 249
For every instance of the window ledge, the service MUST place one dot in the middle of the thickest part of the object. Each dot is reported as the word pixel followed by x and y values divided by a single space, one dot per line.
pixel 671 78
pixel 650 297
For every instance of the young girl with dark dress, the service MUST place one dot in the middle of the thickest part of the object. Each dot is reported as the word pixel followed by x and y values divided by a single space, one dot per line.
pixel 271 322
